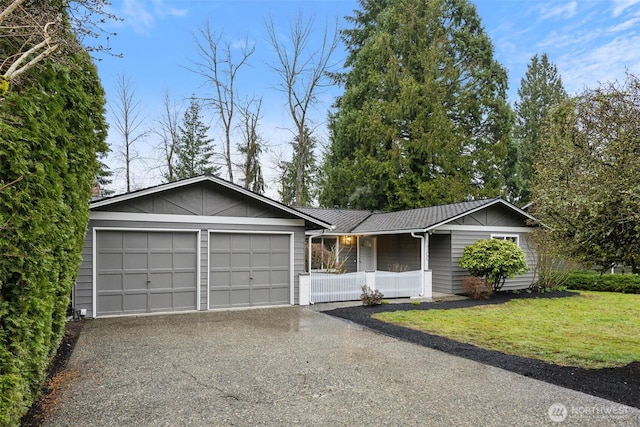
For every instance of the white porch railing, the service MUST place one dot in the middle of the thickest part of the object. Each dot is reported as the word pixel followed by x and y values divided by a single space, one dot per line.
pixel 330 287
pixel 399 285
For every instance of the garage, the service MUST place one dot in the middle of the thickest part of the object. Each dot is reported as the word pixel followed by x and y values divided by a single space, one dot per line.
pixel 200 243
pixel 145 271
pixel 249 269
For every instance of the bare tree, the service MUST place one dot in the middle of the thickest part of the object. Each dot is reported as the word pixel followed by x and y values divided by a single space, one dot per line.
pixel 303 70
pixel 216 64
pixel 169 133
pixel 33 31
pixel 128 122
pixel 251 146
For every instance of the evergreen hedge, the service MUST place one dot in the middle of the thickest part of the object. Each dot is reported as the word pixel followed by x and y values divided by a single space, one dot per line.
pixel 51 130
pixel 593 281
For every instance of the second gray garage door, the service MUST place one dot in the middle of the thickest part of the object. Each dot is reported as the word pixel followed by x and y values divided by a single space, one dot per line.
pixel 249 269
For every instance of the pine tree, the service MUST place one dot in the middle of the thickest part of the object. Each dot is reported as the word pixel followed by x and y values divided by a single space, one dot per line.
pixel 424 118
pixel 540 90
pixel 195 151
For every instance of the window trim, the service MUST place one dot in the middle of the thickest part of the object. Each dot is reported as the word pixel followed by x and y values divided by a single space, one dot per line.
pixel 515 238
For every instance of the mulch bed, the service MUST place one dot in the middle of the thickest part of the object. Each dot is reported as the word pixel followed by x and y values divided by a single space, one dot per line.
pixel 57 377
pixel 620 385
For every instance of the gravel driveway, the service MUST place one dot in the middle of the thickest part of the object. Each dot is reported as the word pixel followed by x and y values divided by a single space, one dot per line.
pixel 295 366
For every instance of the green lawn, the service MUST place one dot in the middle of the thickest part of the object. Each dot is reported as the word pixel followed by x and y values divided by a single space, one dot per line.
pixel 592 330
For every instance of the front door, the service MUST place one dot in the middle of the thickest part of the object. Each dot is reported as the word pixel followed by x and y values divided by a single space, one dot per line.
pixel 367 254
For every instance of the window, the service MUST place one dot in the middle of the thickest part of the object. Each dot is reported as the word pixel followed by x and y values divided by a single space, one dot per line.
pixel 512 237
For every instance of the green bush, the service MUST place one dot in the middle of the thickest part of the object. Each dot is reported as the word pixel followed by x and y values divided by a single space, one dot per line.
pixel 593 281
pixel 50 133
pixel 495 260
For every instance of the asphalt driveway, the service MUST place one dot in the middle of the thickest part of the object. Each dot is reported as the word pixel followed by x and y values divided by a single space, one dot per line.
pixel 296 366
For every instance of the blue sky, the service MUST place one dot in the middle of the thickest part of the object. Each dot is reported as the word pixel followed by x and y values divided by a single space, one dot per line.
pixel 590 41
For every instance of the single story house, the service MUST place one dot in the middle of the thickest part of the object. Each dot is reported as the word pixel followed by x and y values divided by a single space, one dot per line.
pixel 427 239
pixel 196 244
pixel 205 243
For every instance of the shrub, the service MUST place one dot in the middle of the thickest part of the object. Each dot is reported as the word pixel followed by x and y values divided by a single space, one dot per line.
pixel 593 281
pixel 476 287
pixel 495 260
pixel 370 296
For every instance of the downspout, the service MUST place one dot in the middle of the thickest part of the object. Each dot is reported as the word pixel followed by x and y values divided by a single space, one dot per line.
pixel 422 241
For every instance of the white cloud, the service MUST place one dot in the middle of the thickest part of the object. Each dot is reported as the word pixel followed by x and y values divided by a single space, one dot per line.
pixel 141 15
pixel 623 26
pixel 552 10
pixel 620 6
pixel 604 63
pixel 136 15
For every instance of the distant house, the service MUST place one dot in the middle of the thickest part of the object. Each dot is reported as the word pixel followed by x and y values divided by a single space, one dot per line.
pixel 427 239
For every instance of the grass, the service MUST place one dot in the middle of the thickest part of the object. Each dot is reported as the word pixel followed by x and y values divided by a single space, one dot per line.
pixel 591 330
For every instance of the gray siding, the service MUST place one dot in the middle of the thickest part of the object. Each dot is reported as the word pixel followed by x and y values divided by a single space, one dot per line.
pixel 398 249
pixel 204 199
pixel 83 290
pixel 496 215
pixel 440 262
pixel 461 239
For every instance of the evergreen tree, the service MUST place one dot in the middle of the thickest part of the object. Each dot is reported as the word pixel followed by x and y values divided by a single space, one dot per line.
pixel 51 128
pixel 299 177
pixel 540 90
pixel 195 150
pixel 424 118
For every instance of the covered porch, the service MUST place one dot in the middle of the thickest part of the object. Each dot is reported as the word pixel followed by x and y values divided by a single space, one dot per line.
pixel 395 264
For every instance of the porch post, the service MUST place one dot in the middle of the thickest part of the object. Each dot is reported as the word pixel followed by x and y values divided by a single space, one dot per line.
pixel 427 278
pixel 304 295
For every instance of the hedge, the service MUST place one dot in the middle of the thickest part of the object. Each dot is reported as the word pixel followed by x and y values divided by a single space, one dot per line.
pixel 51 130
pixel 593 281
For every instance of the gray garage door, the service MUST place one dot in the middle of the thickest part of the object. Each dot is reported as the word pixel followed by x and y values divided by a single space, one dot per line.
pixel 144 272
pixel 248 269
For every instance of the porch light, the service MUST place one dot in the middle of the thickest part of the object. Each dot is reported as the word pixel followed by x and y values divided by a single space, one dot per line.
pixel 347 240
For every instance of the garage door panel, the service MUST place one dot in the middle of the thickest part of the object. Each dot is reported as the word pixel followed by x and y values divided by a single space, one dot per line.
pixel 184 260
pixel 146 271
pixel 112 282
pixel 239 278
pixel 280 295
pixel 220 260
pixel 134 281
pixel 183 279
pixel 240 296
pixel 110 240
pixel 254 270
pixel 184 241
pixel 261 260
pixel 109 261
pixel 135 240
pixel 279 260
pixel 240 260
pixel 136 261
pixel 280 276
pixel 161 280
pixel 111 304
pixel 135 302
pixel 160 260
